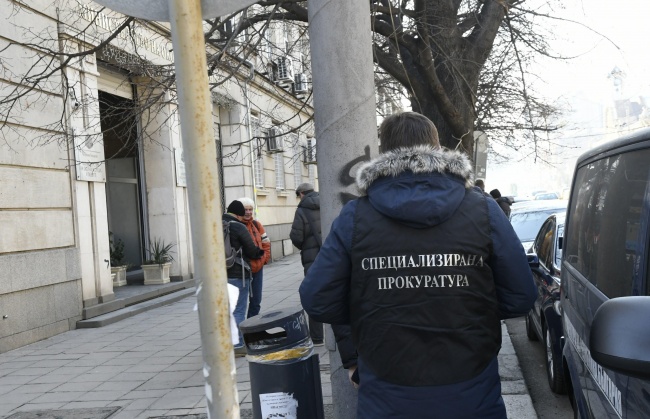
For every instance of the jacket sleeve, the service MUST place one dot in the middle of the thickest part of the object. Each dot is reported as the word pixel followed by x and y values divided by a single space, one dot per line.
pixel 347 351
pixel 297 234
pixel 266 245
pixel 515 287
pixel 249 249
pixel 324 293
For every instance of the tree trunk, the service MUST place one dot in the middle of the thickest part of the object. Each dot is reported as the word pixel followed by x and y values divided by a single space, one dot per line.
pixel 424 105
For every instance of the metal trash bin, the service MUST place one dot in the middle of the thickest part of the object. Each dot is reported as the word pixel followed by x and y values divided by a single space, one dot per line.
pixel 284 371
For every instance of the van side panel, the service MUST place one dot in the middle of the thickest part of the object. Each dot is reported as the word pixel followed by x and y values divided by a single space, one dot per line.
pixel 605 256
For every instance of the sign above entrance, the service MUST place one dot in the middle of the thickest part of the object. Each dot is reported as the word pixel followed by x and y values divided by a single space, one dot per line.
pixel 158 10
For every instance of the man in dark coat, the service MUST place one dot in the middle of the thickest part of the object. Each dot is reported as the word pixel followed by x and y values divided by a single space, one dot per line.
pixel 504 202
pixel 422 267
pixel 306 236
pixel 240 274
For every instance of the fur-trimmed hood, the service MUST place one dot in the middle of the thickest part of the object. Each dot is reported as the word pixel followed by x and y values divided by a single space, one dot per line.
pixel 420 186
pixel 419 159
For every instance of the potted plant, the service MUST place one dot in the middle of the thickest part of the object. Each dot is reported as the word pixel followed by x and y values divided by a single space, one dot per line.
pixel 118 267
pixel 156 268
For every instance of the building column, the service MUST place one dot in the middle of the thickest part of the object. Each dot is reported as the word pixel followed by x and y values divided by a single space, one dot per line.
pixel 166 194
pixel 89 188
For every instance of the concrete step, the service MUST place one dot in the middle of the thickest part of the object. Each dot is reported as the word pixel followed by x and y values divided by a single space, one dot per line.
pixel 132 310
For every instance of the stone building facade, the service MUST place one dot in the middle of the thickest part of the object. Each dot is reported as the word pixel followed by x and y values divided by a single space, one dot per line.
pixel 90 151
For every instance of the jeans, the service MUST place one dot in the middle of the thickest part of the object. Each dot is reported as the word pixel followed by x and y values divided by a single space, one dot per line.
pixel 242 303
pixel 255 299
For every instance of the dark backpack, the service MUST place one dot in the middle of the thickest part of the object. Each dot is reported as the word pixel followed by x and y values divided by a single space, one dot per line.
pixel 231 252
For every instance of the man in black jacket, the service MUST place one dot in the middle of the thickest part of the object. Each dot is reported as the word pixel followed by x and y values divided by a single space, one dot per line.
pixel 306 236
pixel 504 203
pixel 239 274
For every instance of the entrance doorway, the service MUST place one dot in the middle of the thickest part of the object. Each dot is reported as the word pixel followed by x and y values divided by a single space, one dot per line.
pixel 123 174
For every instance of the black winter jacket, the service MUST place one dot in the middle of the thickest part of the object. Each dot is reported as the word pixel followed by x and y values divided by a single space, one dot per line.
pixel 302 236
pixel 505 204
pixel 240 238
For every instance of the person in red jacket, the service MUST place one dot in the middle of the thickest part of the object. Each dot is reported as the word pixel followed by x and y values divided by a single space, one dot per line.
pixel 258 234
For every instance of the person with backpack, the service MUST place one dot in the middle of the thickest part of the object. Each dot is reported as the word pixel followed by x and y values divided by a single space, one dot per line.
pixel 261 240
pixel 239 269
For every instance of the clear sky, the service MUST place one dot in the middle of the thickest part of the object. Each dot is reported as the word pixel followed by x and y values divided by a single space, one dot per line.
pixel 619 37
pixel 609 34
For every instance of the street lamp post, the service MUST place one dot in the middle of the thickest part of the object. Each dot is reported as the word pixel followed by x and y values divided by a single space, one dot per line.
pixel 202 183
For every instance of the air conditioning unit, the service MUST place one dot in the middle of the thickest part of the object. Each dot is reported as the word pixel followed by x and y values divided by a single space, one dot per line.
pixel 309 154
pixel 274 142
pixel 285 69
pixel 300 85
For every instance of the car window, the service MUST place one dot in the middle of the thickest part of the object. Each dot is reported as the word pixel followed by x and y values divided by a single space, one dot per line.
pixel 558 249
pixel 607 233
pixel 544 243
pixel 527 224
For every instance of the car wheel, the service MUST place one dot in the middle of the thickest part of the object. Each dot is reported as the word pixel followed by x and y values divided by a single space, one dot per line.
pixel 554 370
pixel 530 329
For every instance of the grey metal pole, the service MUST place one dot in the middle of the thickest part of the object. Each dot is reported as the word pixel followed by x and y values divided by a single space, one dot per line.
pixel 346 127
pixel 205 209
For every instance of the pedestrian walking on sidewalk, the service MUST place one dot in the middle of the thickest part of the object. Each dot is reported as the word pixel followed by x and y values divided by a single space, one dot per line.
pixel 239 274
pixel 261 240
pixel 480 185
pixel 504 202
pixel 306 236
pixel 423 266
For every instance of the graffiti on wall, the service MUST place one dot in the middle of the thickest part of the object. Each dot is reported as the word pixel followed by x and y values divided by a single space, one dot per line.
pixel 348 173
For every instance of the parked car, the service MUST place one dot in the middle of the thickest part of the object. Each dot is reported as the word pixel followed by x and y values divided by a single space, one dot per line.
pixel 547 195
pixel 527 217
pixel 605 283
pixel 522 198
pixel 544 321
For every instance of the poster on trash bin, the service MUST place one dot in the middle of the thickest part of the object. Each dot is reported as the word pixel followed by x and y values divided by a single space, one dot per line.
pixel 278 406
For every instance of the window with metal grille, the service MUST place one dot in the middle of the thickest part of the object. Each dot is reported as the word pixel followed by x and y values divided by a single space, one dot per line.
pixel 278 158
pixel 309 154
pixel 257 143
pixel 297 164
pixel 311 145
pixel 312 174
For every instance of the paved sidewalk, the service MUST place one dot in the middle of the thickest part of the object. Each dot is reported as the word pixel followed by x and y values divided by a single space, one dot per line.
pixel 150 364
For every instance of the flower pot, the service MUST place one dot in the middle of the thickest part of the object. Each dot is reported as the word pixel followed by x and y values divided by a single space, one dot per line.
pixel 120 275
pixel 156 274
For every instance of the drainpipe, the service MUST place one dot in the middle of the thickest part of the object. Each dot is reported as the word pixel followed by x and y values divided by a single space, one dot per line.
pixel 247 102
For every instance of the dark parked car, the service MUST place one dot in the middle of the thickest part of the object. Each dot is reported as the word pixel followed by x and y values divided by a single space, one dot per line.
pixel 545 319
pixel 527 217
pixel 605 281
